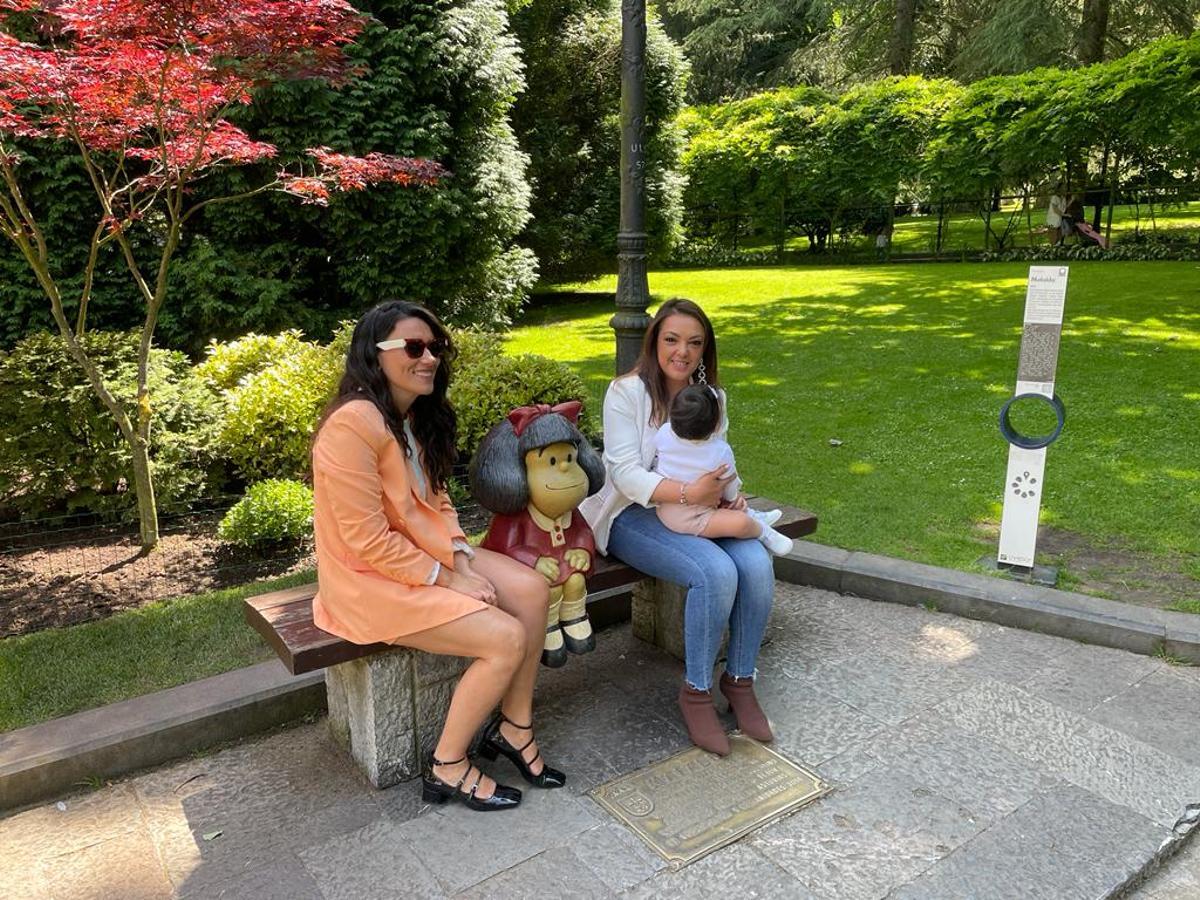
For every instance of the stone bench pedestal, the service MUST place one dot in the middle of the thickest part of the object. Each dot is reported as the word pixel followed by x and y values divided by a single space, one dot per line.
pixel 389 708
pixel 657 614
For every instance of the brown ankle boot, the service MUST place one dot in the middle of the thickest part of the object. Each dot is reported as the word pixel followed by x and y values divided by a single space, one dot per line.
pixel 700 717
pixel 751 720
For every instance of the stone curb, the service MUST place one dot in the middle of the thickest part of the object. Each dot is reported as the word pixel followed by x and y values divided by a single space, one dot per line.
pixel 1080 617
pixel 55 757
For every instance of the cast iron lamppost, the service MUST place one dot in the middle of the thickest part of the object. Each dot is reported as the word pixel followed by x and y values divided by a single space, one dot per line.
pixel 633 291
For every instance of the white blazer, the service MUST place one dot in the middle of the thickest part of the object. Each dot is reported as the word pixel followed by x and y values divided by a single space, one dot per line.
pixel 628 455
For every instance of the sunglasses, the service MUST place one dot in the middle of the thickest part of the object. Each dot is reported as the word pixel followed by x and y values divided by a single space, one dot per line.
pixel 415 347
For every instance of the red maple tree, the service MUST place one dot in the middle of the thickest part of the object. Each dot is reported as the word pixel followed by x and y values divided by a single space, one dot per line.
pixel 143 89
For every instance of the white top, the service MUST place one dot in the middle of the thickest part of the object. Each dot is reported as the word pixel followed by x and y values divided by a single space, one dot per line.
pixel 1054 212
pixel 421 485
pixel 686 460
pixel 629 453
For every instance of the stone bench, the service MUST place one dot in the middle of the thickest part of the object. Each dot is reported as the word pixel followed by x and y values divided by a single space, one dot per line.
pixel 388 703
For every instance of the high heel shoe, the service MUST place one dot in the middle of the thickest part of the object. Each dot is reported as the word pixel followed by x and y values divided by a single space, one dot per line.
pixel 752 721
pixel 434 790
pixel 495 743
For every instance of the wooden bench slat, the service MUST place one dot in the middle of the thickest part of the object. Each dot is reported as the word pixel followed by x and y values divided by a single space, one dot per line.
pixel 284 618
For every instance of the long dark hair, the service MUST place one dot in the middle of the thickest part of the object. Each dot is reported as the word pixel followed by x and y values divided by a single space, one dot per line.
pixel 647 367
pixel 431 416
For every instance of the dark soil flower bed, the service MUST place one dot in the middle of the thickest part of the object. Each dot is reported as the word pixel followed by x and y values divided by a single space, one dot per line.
pixel 57 578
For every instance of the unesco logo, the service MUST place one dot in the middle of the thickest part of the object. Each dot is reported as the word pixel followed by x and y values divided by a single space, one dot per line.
pixel 1024 485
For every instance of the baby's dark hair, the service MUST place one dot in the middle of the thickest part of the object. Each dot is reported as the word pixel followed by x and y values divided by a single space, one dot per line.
pixel 695 412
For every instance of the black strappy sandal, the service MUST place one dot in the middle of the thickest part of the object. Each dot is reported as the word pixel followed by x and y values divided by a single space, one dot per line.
pixel 434 790
pixel 495 743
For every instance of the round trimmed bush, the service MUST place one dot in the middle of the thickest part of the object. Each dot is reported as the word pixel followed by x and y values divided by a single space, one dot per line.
pixel 272 512
pixel 227 363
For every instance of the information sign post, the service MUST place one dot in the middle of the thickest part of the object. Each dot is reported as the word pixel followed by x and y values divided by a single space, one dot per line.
pixel 1045 300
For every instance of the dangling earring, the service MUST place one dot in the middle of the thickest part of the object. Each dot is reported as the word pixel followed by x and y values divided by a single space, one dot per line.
pixel 701 376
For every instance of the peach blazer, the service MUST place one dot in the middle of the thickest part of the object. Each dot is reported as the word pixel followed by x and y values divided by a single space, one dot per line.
pixel 377 539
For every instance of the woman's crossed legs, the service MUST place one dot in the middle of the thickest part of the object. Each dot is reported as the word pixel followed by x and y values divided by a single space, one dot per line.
pixel 506 643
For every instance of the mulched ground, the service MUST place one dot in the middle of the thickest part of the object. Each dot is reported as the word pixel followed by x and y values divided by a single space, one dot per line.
pixel 84 574
pixel 90 573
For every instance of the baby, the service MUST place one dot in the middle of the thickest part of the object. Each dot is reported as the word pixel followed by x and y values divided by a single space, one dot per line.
pixel 689 445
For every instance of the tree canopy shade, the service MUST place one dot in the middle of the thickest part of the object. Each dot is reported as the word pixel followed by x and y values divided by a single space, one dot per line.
pixel 798 160
pixel 142 90
pixel 568 121
pixel 738 49
pixel 424 78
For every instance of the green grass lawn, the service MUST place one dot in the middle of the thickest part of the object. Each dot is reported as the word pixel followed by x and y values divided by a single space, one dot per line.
pixel 907 366
pixel 964 232
pixel 63 670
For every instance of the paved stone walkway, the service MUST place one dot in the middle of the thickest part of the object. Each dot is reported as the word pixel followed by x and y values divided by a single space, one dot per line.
pixel 970 761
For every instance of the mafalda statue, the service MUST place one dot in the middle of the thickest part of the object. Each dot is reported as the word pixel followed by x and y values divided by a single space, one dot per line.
pixel 532 470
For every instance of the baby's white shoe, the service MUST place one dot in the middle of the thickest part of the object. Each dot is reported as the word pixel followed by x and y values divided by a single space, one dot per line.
pixel 765 517
pixel 779 544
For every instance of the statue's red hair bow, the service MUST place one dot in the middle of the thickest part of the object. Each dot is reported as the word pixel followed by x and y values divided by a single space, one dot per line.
pixel 523 415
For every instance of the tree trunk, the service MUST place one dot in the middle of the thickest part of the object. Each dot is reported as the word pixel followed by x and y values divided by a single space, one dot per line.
pixel 900 48
pixel 1101 183
pixel 1092 31
pixel 143 485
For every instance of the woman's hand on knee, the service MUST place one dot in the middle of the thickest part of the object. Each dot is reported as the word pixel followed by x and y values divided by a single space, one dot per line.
pixel 469 583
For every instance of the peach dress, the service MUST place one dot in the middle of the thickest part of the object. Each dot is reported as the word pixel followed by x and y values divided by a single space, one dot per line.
pixel 378 535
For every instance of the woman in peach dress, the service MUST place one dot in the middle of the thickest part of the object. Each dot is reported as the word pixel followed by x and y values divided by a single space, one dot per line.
pixel 393 565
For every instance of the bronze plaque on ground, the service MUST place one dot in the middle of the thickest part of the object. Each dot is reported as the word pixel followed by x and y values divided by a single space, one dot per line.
pixel 694 802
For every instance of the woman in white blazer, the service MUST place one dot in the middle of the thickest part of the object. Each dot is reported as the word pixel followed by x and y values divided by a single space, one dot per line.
pixel 730 581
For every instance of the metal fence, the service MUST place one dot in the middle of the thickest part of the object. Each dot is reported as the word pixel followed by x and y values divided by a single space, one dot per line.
pixel 936 228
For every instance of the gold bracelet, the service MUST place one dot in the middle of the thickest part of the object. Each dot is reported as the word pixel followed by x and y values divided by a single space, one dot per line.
pixel 683 493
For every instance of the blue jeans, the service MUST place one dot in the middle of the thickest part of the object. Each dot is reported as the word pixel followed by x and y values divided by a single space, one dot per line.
pixel 730 581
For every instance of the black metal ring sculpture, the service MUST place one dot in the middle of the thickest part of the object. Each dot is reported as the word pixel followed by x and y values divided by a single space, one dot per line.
pixel 1028 442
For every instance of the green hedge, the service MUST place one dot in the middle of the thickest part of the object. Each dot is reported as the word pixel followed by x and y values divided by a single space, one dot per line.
pixel 59 447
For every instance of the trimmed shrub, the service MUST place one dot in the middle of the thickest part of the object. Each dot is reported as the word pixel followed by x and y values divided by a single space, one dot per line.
pixel 487 386
pixel 226 364
pixel 60 449
pixel 270 416
pixel 272 512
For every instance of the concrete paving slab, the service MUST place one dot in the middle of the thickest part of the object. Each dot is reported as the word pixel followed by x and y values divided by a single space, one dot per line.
pixel 861 843
pixel 462 851
pixel 616 856
pixel 1108 763
pixel 239 810
pixel 961 739
pixel 810 725
pixel 961 766
pixel 1152 710
pixel 735 871
pixel 377 862
pixel 1085 677
pixel 1067 844
pixel 555 871
pixel 124 866
pixel 284 879
pixel 1177 879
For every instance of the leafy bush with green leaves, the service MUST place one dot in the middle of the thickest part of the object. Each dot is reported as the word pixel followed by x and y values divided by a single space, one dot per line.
pixel 488 385
pixel 1131 251
pixel 270 415
pixel 60 449
pixel 227 363
pixel 271 512
pixel 432 78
